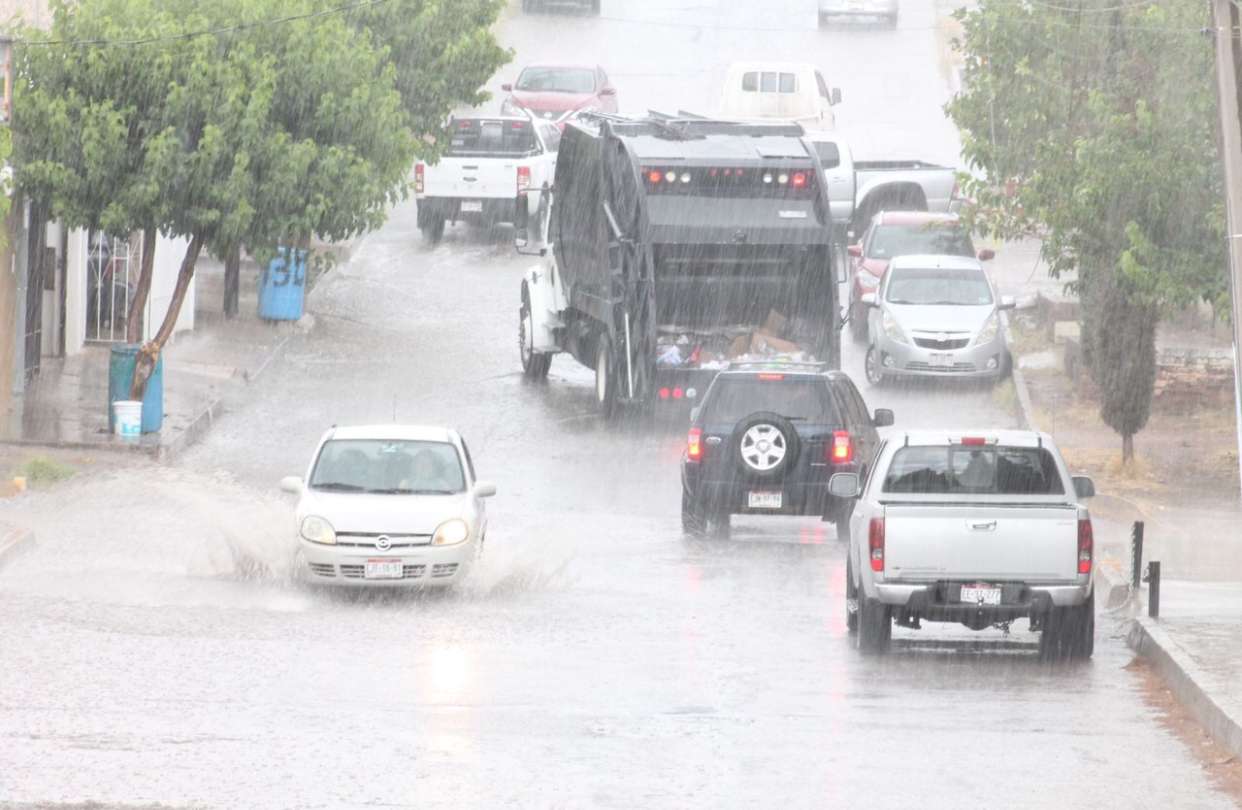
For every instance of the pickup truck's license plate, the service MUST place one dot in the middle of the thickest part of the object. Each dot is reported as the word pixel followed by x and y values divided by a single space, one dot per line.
pixel 941 360
pixel 383 569
pixel 472 206
pixel 981 596
pixel 765 500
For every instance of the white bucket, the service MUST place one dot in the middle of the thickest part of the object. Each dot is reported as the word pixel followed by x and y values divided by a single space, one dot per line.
pixel 127 418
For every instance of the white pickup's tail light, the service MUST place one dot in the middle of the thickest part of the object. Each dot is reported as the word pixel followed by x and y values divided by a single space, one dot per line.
pixel 1086 545
pixel 523 178
pixel 875 543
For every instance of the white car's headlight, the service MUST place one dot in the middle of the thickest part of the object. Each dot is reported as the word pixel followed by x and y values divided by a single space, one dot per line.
pixel 318 530
pixel 988 333
pixel 891 328
pixel 451 532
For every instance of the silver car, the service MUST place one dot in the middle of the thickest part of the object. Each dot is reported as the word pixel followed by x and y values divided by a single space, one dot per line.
pixel 936 316
pixel 886 10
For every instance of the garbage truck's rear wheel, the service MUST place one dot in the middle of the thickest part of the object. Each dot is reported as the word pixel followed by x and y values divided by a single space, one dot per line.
pixel 534 364
pixel 605 378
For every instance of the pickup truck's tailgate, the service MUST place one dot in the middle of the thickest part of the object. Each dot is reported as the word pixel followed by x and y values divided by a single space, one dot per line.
pixel 981 542
pixel 473 178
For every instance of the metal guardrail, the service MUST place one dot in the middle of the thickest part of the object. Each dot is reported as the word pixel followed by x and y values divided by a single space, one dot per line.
pixel 1153 589
pixel 1136 555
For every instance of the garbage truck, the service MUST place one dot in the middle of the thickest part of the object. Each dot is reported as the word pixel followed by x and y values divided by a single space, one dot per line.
pixel 672 246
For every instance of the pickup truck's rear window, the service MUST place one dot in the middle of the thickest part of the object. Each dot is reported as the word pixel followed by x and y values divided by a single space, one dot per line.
pixel 957 469
pixel 481 137
pixel 734 398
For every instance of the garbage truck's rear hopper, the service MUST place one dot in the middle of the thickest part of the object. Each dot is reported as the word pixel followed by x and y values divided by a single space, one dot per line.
pixel 677 246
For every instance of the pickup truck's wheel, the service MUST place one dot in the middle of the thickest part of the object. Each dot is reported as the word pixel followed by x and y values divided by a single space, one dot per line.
pixel 851 597
pixel 534 364
pixel 605 378
pixel 765 445
pixel 874 369
pixel 433 229
pixel 875 625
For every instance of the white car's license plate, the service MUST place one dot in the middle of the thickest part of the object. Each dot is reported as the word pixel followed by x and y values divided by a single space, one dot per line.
pixel 383 569
pixel 765 500
pixel 981 596
pixel 941 360
pixel 472 206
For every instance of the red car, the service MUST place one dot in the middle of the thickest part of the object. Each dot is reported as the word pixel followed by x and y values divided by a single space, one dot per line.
pixel 901 233
pixel 554 92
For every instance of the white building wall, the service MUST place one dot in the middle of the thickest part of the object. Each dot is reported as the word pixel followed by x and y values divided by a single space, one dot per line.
pixel 168 256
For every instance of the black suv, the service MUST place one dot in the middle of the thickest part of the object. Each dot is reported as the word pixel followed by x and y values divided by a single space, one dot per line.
pixel 765 440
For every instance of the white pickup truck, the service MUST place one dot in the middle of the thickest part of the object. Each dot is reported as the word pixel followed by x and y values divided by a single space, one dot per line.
pixel 980 529
pixel 858 190
pixel 495 169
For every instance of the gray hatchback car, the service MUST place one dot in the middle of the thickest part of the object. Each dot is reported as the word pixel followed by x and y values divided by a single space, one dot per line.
pixel 936 316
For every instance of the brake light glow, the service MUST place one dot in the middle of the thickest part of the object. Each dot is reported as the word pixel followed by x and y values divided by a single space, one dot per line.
pixel 841 450
pixel 974 441
pixel 523 178
pixel 678 393
pixel 694 445
pixel 771 377
pixel 419 179
pixel 1086 545
pixel 664 393
pixel 655 176
pixel 875 543
pixel 799 180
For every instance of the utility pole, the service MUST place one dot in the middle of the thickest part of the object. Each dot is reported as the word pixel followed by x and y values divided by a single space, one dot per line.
pixel 1224 14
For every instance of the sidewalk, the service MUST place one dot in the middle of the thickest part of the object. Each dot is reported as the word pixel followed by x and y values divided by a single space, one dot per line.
pixel 66 404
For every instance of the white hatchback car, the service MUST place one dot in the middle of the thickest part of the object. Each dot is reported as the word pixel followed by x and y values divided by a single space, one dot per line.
pixel 389 505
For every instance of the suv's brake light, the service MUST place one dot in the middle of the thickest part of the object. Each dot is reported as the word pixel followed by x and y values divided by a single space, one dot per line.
pixel 875 543
pixel 419 181
pixel 841 449
pixel 1086 545
pixel 694 444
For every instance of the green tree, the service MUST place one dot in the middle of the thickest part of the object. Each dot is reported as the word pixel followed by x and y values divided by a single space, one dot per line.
pixel 1092 127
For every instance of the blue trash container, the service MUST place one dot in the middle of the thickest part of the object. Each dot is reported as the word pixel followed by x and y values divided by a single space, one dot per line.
pixel 282 288
pixel 121 365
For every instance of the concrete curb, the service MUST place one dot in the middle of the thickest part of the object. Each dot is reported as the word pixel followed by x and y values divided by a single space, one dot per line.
pixel 1179 670
pixel 1025 410
pixel 12 539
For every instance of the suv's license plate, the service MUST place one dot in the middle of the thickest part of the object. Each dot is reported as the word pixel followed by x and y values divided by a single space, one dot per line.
pixel 383 569
pixel 941 360
pixel 765 500
pixel 472 206
pixel 981 596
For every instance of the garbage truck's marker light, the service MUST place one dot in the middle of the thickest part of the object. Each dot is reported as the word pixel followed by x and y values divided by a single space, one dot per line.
pixel 663 393
pixel 671 177
pixel 655 177
pixel 678 393
pixel 691 393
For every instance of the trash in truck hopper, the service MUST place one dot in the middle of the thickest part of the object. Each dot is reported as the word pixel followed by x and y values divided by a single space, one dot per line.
pixel 678 349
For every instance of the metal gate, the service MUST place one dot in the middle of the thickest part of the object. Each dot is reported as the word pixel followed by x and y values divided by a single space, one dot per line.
pixel 112 268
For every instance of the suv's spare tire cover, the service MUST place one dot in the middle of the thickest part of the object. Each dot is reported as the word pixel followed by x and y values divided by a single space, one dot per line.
pixel 765 445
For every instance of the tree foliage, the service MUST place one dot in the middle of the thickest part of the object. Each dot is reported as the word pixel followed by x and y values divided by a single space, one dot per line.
pixel 1091 125
pixel 239 122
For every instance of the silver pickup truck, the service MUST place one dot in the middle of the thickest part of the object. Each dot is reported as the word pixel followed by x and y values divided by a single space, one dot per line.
pixel 977 528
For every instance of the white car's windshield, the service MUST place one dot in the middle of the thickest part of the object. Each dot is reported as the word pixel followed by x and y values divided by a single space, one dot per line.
pixel 939 288
pixel 949 239
pixel 383 466
pixel 557 80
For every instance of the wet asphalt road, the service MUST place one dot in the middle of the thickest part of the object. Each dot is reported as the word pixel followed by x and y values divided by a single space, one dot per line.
pixel 152 648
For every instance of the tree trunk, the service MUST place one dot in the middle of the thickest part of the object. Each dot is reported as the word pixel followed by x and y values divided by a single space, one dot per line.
pixel 150 353
pixel 1127 450
pixel 133 321
pixel 232 282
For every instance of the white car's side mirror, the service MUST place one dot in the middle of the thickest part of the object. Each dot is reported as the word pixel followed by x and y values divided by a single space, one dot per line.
pixel 484 489
pixel 869 300
pixel 291 484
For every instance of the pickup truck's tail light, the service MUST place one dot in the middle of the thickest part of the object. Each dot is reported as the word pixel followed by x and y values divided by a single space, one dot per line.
pixel 419 178
pixel 523 178
pixel 875 543
pixel 841 449
pixel 694 445
pixel 1086 545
